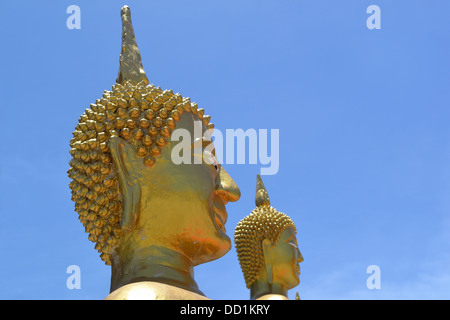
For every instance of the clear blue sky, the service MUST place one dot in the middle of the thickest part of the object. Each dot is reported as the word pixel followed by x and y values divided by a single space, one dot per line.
pixel 363 118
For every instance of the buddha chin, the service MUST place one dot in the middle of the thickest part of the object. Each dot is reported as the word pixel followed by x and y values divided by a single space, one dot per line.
pixel 204 242
pixel 200 240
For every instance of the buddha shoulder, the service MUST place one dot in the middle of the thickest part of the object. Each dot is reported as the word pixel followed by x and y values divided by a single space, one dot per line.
pixel 148 290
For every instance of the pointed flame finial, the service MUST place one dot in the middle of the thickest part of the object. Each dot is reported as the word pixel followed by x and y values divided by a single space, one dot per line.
pixel 262 197
pixel 131 68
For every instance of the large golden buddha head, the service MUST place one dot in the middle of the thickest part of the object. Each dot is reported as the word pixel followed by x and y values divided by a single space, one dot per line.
pixel 266 245
pixel 125 186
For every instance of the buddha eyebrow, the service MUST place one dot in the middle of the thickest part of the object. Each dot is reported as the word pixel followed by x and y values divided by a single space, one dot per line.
pixel 293 237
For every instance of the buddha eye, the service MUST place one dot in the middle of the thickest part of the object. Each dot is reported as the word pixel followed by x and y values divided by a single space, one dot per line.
pixel 215 164
pixel 212 160
pixel 292 243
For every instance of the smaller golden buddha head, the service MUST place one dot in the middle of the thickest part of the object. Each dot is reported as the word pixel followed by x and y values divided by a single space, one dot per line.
pixel 266 245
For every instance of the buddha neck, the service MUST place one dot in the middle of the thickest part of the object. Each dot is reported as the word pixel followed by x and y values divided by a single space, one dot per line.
pixel 132 264
pixel 261 287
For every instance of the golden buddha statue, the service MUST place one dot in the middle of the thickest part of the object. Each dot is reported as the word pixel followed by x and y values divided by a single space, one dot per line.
pixel 152 220
pixel 267 249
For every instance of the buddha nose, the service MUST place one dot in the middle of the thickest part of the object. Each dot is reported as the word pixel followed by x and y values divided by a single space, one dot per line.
pixel 226 188
pixel 299 256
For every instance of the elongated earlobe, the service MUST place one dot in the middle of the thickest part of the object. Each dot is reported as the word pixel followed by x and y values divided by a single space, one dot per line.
pixel 125 158
pixel 268 260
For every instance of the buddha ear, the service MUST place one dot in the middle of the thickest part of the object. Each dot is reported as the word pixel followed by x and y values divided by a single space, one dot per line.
pixel 125 158
pixel 267 244
pixel 126 161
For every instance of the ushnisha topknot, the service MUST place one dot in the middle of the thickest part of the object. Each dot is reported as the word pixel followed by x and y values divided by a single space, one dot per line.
pixel 264 222
pixel 143 115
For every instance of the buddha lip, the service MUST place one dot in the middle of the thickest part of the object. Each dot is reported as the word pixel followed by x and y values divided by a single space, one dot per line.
pixel 220 216
pixel 219 223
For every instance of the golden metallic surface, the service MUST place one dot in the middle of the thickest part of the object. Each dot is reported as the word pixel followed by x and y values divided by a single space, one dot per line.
pixel 150 219
pixel 261 197
pixel 147 290
pixel 272 297
pixel 131 68
pixel 267 249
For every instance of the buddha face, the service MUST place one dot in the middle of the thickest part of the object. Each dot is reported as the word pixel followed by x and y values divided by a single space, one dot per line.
pixel 182 206
pixel 286 258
